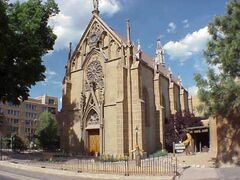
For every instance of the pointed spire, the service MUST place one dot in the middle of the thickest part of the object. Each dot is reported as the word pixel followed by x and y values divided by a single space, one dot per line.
pixel 139 51
pixel 159 59
pixel 70 50
pixel 139 45
pixel 170 72
pixel 129 41
pixel 96 6
pixel 179 80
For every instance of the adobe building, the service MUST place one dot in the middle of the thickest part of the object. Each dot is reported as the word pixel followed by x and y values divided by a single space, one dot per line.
pixel 116 96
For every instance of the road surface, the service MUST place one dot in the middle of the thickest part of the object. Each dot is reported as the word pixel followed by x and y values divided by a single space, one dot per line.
pixel 7 173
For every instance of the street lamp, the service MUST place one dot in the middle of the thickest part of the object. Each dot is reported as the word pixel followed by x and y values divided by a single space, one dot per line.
pixel 136 131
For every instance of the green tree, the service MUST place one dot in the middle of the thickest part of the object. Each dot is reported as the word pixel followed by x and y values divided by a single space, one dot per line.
pixel 18 144
pixel 47 132
pixel 25 37
pixel 175 126
pixel 220 91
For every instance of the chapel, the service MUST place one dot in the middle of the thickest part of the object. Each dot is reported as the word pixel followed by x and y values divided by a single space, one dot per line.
pixel 115 96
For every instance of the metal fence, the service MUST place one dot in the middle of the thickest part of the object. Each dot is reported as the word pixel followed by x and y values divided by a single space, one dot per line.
pixel 155 166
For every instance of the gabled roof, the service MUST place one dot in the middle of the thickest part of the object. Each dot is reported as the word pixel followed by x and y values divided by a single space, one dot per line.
pixel 99 20
pixel 122 41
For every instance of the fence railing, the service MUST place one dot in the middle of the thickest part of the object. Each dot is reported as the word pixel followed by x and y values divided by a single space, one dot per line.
pixel 154 166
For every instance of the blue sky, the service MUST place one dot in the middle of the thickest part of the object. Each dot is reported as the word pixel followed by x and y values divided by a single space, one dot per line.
pixel 181 24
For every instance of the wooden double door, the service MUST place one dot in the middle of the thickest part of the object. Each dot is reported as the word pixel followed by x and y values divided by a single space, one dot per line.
pixel 93 141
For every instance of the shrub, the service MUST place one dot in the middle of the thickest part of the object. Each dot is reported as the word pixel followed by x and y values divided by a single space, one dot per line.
pixel 159 153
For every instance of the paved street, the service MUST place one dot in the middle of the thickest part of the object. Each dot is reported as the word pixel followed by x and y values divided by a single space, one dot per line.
pixel 7 173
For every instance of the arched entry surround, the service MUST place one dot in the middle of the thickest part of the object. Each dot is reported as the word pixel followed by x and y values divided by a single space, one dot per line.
pixel 93 132
pixel 92 110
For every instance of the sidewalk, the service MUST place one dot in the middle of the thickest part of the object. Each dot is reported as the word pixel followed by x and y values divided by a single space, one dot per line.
pixel 198 174
pixel 83 175
pixel 231 173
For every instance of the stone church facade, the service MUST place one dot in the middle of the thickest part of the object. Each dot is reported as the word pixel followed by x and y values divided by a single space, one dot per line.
pixel 116 96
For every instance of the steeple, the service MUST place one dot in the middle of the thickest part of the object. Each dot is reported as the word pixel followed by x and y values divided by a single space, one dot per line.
pixel 96 6
pixel 129 41
pixel 70 51
pixel 159 59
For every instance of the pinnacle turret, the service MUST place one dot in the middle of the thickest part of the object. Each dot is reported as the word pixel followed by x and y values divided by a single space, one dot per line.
pixel 159 59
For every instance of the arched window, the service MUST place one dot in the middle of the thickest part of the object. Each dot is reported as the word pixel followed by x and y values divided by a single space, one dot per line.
pixel 146 107
pixel 92 118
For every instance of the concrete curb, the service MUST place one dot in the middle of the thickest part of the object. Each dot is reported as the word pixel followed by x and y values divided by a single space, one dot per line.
pixel 83 175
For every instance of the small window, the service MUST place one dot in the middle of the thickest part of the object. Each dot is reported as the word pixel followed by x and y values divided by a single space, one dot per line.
pixel 52 110
pixel 27 122
pixel 51 101
pixel 16 121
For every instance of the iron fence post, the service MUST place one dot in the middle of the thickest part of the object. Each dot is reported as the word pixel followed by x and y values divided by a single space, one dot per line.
pixel 153 166
pixel 126 168
pixel 1 149
pixel 176 167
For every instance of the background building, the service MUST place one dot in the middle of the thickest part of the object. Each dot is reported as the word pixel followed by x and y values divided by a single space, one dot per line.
pixel 22 119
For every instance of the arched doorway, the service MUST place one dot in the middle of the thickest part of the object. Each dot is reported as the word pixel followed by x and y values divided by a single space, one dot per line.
pixel 93 141
pixel 93 133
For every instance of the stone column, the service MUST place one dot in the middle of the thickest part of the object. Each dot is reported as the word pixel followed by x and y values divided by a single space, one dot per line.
pixel 137 106
pixel 172 97
pixel 159 111
pixel 184 101
pixel 129 63
pixel 122 106
pixel 190 102
pixel 101 114
pixel 101 134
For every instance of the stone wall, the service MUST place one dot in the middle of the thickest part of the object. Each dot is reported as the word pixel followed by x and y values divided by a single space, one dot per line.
pixel 228 140
pixel 225 140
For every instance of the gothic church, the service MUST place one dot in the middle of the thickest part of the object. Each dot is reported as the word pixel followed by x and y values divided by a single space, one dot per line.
pixel 115 96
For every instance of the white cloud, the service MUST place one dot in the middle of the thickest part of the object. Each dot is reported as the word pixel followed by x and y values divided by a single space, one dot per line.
pixel 185 24
pixel 200 65
pixel 50 72
pixel 171 27
pixel 50 75
pixel 71 22
pixel 193 90
pixel 217 69
pixel 150 46
pixel 57 83
pixel 191 44
pixel 74 15
pixel 60 104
